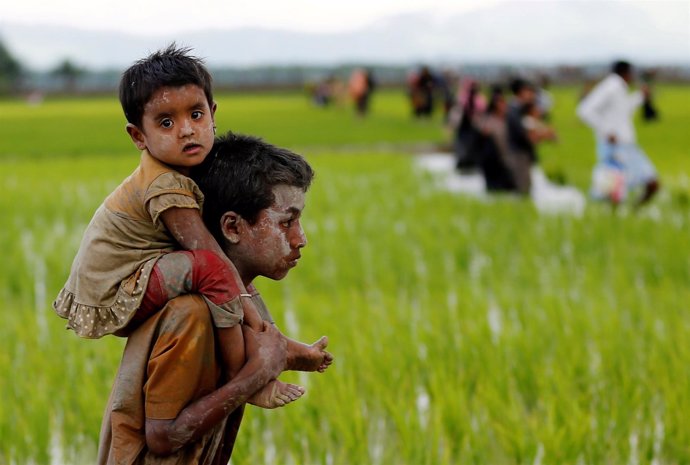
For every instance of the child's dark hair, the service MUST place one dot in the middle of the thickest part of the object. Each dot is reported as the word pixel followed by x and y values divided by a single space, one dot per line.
pixel 239 175
pixel 172 66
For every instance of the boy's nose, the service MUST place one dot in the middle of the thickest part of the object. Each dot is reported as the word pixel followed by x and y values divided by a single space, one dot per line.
pixel 299 239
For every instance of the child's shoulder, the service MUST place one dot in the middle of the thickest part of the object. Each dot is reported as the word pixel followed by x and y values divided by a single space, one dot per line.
pixel 150 168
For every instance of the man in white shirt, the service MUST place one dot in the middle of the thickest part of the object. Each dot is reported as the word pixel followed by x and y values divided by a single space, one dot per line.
pixel 609 110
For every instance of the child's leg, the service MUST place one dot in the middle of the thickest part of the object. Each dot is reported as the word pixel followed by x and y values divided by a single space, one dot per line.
pixel 201 271
pixel 204 272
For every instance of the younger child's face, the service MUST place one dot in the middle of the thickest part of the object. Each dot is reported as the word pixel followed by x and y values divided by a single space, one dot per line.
pixel 176 127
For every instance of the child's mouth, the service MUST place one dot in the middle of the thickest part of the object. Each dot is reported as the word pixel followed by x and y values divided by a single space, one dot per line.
pixel 191 149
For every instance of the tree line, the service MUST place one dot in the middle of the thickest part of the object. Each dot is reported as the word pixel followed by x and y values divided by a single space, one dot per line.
pixel 68 77
pixel 13 73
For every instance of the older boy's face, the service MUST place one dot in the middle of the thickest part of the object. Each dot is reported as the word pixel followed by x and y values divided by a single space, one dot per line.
pixel 271 246
pixel 177 127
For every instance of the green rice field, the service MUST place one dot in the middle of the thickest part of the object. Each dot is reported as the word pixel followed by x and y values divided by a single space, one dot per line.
pixel 465 331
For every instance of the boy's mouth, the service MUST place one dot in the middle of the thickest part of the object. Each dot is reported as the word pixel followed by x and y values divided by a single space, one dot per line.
pixel 292 261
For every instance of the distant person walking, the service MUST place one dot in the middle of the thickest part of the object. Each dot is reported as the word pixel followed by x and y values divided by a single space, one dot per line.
pixel 608 109
pixel 495 158
pixel 520 140
pixel 649 110
pixel 470 106
pixel 421 90
pixel 361 86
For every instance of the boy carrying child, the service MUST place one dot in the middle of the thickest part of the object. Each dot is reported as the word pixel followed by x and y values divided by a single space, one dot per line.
pixel 147 244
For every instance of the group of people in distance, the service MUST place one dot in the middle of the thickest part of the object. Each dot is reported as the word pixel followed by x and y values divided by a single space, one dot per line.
pixel 425 87
pixel 498 133
pixel 500 136
pixel 359 88
pixel 168 261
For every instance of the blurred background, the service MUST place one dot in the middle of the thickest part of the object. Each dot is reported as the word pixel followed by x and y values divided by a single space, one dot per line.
pixel 84 45
pixel 472 321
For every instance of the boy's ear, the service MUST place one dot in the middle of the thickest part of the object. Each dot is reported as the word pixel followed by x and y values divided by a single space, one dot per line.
pixel 230 226
pixel 136 135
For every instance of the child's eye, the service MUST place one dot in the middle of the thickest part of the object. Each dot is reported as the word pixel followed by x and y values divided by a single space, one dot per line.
pixel 166 123
pixel 197 114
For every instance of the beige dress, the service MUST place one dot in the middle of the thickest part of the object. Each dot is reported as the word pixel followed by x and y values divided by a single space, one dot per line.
pixel 120 247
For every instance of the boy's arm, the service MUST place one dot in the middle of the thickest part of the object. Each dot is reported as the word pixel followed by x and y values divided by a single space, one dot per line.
pixel 300 356
pixel 266 358
pixel 189 230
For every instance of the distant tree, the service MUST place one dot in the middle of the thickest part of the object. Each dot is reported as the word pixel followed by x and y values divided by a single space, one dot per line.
pixel 68 72
pixel 10 70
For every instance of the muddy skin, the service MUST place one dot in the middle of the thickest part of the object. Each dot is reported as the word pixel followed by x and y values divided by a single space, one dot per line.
pixel 303 357
pixel 276 394
pixel 266 359
pixel 176 127
pixel 270 247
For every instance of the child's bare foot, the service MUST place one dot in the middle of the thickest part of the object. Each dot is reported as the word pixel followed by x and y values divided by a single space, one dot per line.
pixel 303 357
pixel 276 394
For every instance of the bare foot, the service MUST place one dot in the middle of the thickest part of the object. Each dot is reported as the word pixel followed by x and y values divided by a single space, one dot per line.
pixel 276 394
pixel 303 357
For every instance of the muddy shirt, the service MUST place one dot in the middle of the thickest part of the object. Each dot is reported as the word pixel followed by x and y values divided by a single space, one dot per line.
pixel 169 362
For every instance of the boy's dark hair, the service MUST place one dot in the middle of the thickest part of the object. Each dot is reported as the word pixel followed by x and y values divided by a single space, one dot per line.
pixel 239 175
pixel 172 66
pixel 621 67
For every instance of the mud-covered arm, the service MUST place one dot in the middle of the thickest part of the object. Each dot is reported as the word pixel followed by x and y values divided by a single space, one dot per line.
pixel 266 359
pixel 190 232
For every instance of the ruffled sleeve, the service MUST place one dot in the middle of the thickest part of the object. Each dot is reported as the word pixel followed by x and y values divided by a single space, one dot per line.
pixel 172 190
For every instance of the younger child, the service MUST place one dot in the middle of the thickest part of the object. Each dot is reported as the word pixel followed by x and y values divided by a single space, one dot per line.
pixel 127 266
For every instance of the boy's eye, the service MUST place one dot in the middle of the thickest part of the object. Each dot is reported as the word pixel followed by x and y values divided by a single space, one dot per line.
pixel 166 123
pixel 197 114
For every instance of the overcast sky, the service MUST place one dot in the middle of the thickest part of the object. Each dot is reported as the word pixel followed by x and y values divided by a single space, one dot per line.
pixel 90 32
pixel 160 17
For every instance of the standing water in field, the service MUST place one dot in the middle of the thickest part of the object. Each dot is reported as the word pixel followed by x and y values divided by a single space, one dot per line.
pixel 546 196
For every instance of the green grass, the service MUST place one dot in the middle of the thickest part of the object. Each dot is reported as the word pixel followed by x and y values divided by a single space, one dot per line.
pixel 464 331
pixel 96 126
